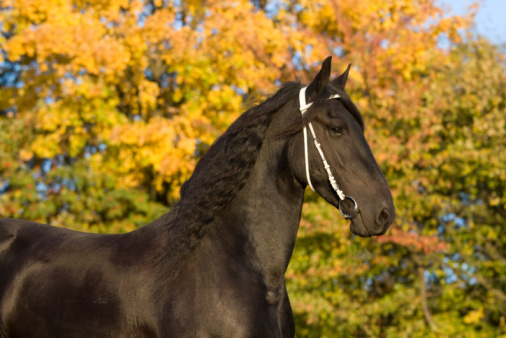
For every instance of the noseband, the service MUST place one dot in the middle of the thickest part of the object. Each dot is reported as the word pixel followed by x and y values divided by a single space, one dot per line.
pixel 340 194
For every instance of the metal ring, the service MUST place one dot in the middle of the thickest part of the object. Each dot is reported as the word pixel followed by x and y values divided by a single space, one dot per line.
pixel 355 210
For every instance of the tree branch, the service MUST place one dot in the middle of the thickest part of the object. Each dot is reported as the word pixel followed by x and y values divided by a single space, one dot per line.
pixel 423 295
pixel 420 271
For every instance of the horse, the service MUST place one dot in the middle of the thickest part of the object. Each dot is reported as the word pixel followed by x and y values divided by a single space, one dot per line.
pixel 214 266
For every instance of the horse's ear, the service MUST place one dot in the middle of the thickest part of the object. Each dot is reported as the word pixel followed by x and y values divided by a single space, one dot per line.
pixel 340 81
pixel 320 81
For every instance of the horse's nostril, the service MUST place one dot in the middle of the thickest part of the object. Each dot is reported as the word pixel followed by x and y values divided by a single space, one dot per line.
pixel 383 217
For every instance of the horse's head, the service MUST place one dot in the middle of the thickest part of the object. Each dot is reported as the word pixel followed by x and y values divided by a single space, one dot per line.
pixel 359 189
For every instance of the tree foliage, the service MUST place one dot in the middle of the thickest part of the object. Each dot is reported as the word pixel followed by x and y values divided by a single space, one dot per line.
pixel 106 106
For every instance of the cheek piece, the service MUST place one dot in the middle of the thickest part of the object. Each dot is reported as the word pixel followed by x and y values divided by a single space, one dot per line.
pixel 340 194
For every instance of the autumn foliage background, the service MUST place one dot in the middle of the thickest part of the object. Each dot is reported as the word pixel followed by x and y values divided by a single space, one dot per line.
pixel 107 105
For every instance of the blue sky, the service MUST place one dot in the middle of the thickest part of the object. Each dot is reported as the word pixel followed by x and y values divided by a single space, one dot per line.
pixel 490 20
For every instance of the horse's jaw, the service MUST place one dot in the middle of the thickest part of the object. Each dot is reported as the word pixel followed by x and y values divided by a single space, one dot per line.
pixel 358 227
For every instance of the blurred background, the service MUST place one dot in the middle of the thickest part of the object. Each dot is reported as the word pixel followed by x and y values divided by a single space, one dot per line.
pixel 107 105
pixel 488 20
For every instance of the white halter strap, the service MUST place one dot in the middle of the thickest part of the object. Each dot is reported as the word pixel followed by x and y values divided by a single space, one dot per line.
pixel 303 108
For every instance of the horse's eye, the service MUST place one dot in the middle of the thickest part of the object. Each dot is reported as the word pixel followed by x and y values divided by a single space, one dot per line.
pixel 337 131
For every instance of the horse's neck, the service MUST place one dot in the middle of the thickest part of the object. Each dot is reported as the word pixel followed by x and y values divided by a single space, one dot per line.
pixel 262 221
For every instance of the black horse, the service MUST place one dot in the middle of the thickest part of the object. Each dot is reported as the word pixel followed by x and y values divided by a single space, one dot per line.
pixel 214 265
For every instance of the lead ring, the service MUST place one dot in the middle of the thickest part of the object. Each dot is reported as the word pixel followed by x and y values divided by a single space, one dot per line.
pixel 355 210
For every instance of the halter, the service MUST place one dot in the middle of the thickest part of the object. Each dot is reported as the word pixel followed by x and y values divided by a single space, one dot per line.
pixel 303 108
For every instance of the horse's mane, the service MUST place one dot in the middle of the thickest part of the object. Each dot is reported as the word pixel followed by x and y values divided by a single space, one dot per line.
pixel 221 173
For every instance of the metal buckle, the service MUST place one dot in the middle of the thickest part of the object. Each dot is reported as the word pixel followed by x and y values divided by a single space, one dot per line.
pixel 355 210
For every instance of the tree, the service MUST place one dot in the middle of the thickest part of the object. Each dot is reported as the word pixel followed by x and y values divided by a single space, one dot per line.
pixel 106 106
pixel 130 93
pixel 434 119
